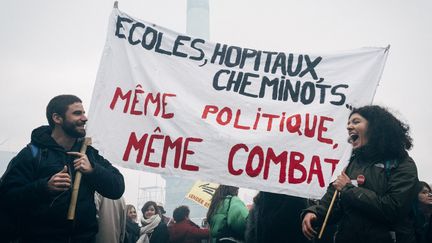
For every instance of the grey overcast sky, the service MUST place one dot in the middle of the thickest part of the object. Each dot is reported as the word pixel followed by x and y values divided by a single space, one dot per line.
pixel 53 47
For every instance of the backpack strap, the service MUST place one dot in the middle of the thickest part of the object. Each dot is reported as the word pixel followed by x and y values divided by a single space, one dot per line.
pixel 37 154
pixel 229 205
pixel 387 168
pixel 34 150
pixel 389 164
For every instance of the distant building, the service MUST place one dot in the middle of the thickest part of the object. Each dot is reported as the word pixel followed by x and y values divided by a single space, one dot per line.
pixel 175 195
pixel 151 193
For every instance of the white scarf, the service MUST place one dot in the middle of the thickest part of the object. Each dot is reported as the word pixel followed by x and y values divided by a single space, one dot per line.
pixel 148 226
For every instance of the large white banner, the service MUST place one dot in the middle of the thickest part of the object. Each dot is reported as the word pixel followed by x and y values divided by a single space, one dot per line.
pixel 173 104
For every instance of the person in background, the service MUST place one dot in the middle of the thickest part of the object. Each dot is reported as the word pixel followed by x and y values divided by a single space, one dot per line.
pixel 44 180
pixel 377 188
pixel 184 230
pixel 165 219
pixel 111 215
pixel 153 229
pixel 132 226
pixel 423 213
pixel 227 215
pixel 275 218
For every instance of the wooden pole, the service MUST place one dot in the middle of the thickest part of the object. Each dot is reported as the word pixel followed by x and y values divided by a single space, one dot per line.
pixel 328 214
pixel 76 184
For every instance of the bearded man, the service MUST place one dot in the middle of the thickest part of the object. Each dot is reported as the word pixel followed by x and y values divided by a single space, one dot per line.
pixel 37 184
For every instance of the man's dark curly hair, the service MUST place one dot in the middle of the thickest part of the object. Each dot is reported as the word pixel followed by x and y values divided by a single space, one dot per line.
pixel 180 213
pixel 388 137
pixel 60 105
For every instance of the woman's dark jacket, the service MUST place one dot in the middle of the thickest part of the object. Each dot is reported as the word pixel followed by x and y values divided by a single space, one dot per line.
pixel 160 234
pixel 380 205
pixel 132 231
pixel 423 227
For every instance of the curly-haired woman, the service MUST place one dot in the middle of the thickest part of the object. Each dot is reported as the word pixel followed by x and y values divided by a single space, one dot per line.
pixel 377 189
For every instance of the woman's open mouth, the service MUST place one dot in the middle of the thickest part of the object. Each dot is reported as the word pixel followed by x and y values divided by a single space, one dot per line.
pixel 352 138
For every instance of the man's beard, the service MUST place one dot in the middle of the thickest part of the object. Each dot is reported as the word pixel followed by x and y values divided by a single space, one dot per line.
pixel 70 129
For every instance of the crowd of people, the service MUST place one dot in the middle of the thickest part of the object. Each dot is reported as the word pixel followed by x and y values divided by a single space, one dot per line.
pixel 378 197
